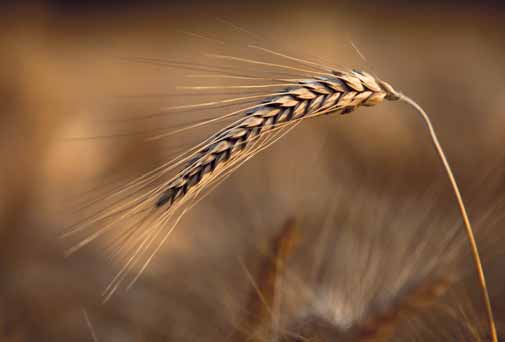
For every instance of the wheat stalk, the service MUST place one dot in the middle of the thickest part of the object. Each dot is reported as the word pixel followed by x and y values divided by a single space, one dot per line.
pixel 464 214
pixel 342 92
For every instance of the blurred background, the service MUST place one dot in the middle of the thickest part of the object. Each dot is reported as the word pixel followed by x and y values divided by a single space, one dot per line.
pixel 373 208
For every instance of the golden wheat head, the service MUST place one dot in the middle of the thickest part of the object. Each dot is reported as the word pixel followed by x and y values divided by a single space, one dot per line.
pixel 341 93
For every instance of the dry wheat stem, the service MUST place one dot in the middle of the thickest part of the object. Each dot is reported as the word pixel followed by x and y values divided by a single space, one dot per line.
pixel 464 214
pixel 341 92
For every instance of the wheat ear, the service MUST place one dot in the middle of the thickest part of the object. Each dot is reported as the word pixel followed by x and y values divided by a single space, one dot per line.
pixel 341 92
pixel 464 214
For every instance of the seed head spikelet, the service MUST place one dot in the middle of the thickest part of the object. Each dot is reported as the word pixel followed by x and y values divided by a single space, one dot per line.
pixel 341 93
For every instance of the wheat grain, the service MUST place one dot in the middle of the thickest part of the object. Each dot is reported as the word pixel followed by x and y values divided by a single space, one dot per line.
pixel 341 93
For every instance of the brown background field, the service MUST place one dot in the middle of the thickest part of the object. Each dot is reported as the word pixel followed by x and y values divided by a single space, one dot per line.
pixel 66 70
